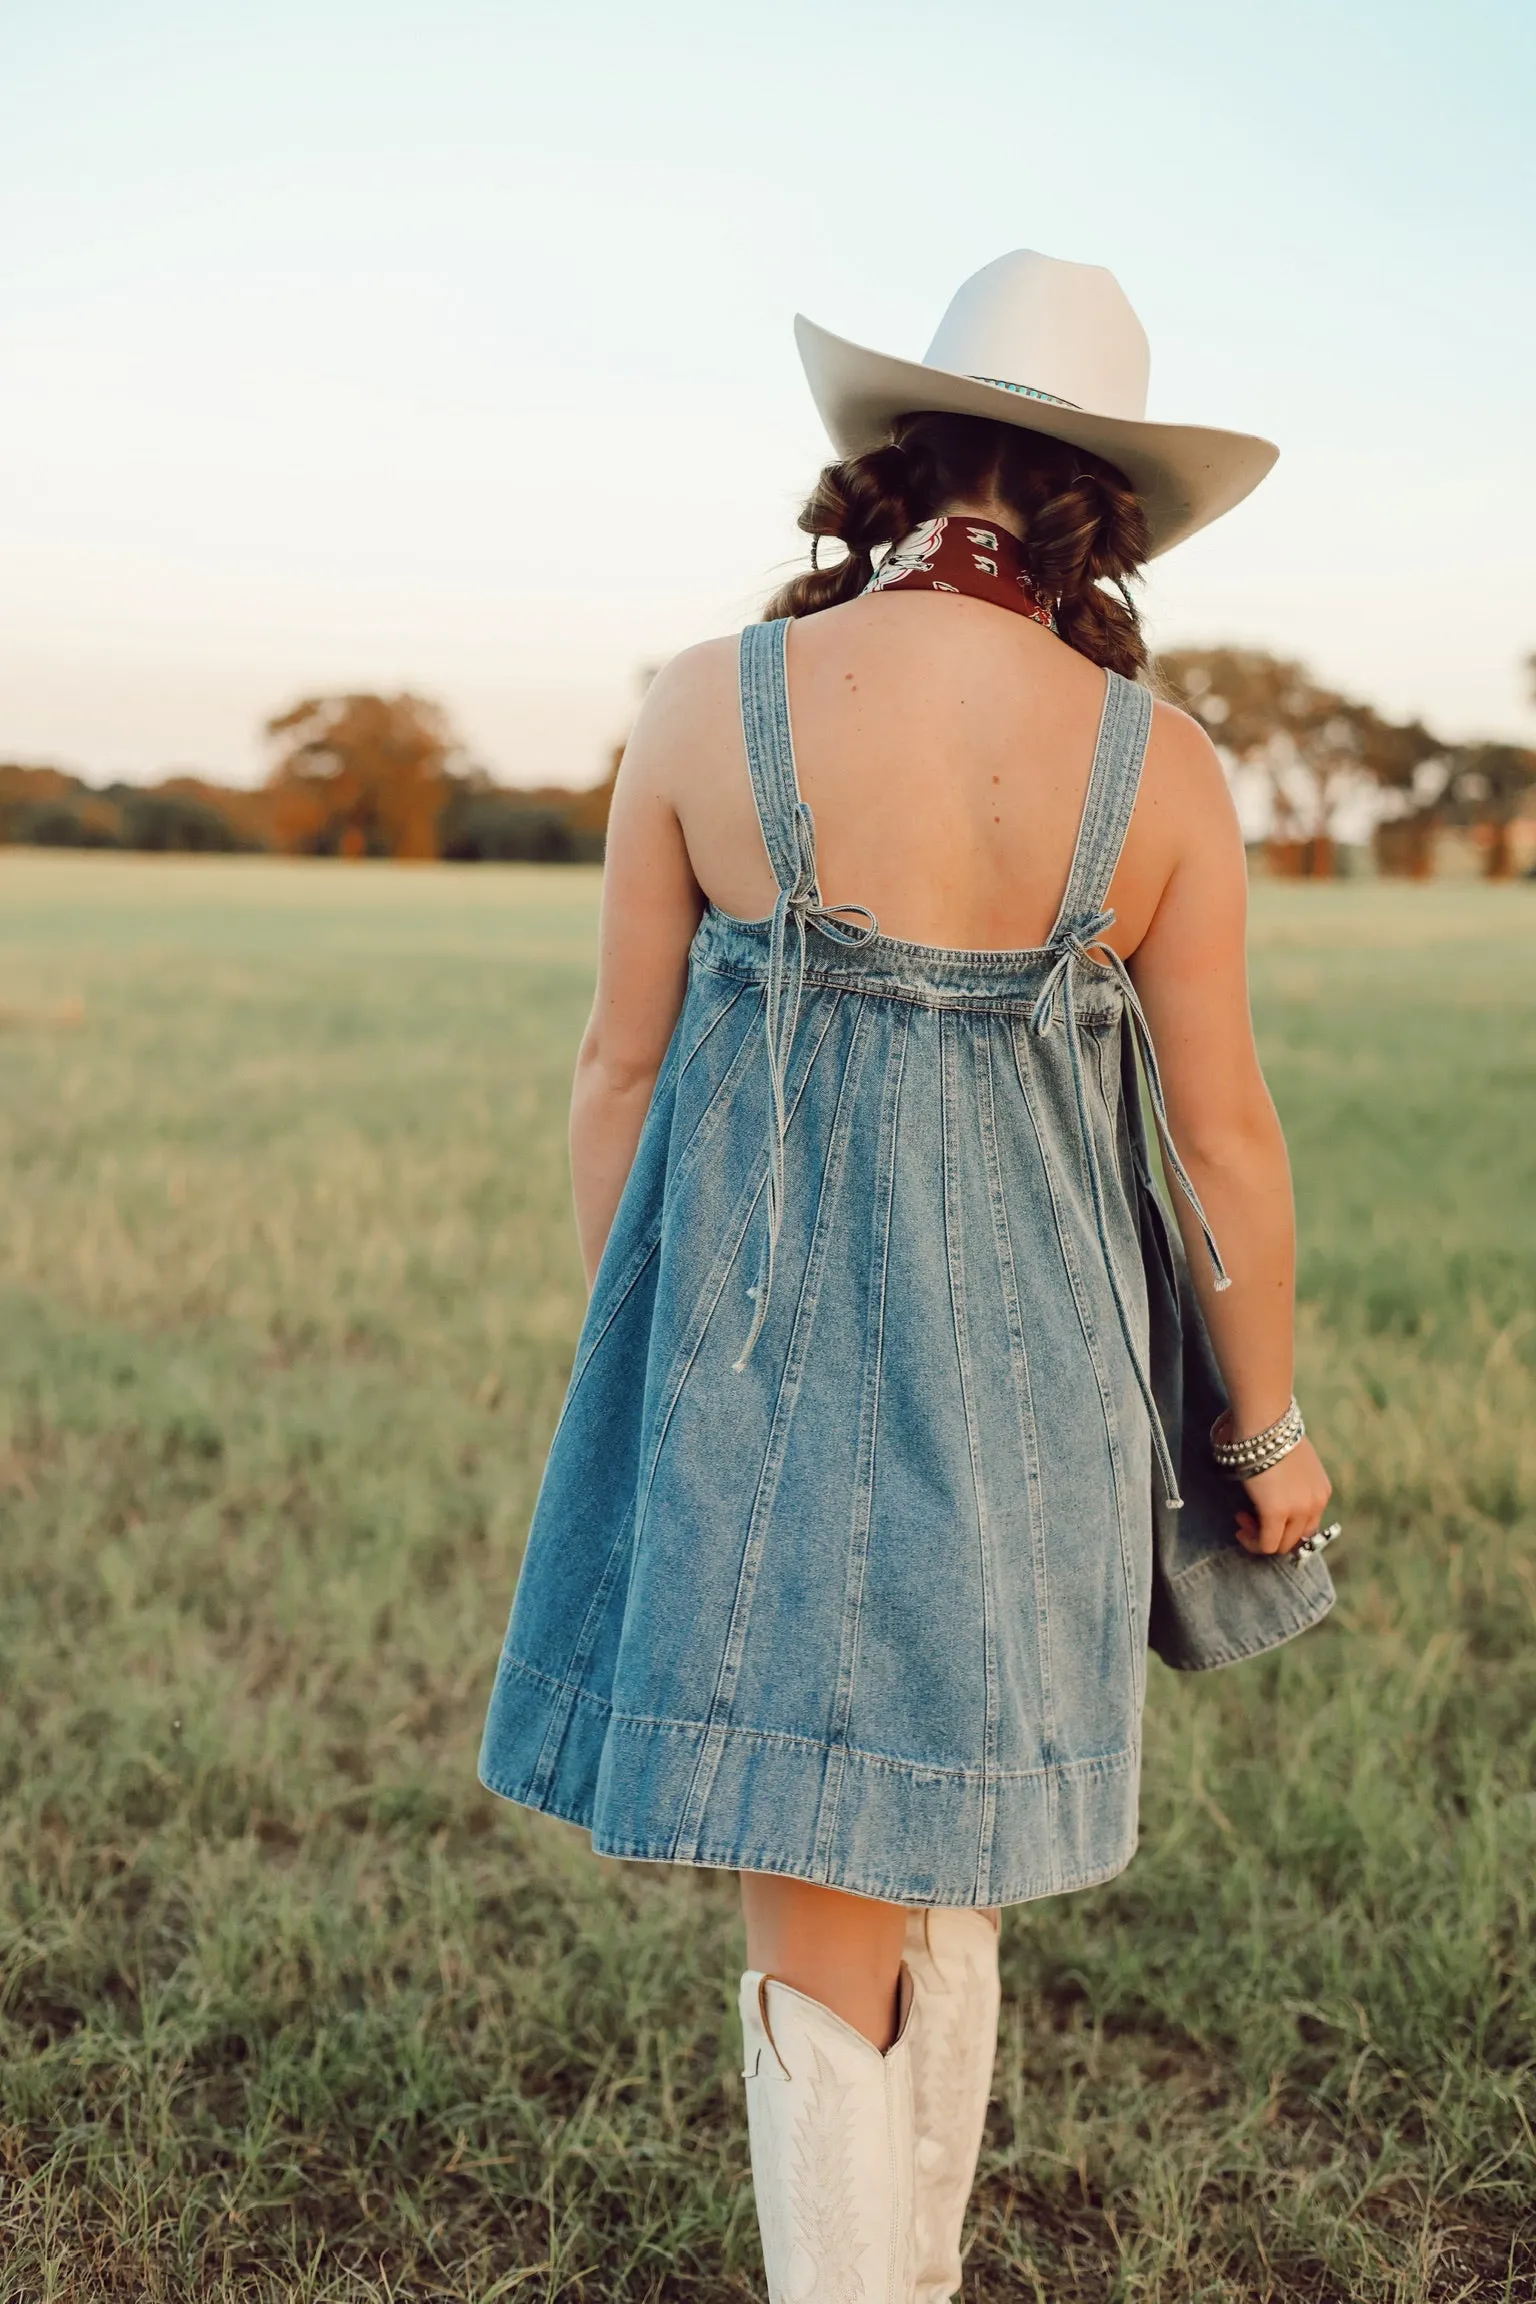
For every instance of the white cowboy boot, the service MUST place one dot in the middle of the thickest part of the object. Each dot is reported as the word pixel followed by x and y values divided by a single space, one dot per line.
pixel 830 2121
pixel 952 1956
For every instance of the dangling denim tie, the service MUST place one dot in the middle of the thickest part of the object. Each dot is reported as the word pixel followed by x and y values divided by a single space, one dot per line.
pixel 1083 939
pixel 802 906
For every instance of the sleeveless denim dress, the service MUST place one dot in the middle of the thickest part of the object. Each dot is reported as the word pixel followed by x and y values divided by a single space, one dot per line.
pixel 841 1563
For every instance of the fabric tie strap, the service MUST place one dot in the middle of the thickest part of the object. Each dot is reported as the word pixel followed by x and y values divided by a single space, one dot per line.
pixel 1082 939
pixel 789 834
pixel 850 924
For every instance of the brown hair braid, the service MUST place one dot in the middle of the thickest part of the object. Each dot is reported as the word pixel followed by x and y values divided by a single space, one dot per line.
pixel 1078 518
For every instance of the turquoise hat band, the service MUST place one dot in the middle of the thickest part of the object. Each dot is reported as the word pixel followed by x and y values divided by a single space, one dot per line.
pixel 1027 392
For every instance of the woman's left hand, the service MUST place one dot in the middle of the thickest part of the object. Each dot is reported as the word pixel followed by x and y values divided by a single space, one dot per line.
pixel 1287 1503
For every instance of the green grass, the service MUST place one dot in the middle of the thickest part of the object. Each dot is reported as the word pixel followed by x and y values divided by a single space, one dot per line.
pixel 289 2008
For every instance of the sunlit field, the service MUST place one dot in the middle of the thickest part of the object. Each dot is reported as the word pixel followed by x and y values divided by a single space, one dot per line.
pixel 291 2009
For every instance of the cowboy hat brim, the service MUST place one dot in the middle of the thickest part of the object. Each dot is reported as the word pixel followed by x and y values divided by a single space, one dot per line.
pixel 1186 475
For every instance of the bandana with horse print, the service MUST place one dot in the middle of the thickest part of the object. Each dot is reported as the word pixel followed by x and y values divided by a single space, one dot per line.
pixel 956 554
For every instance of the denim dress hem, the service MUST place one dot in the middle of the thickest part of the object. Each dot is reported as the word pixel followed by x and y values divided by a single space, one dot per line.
pixel 1084 1814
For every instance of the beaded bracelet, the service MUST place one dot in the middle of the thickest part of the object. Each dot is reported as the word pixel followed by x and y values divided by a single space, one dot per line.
pixel 1261 1451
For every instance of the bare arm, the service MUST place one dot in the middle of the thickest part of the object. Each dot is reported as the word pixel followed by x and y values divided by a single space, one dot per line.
pixel 1191 973
pixel 651 907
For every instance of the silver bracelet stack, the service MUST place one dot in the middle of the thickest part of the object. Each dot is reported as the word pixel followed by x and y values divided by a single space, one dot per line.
pixel 1261 1451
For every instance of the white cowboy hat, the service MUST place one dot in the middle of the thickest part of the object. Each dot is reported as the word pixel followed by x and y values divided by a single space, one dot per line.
pixel 1054 347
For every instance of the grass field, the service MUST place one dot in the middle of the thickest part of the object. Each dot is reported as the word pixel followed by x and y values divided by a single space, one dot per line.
pixel 289 2008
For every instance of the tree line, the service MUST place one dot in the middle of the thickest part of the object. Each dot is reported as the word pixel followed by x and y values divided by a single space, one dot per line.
pixel 356 775
pixel 1316 751
pixel 387 776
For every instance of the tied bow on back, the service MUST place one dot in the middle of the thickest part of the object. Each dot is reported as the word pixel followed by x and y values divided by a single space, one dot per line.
pixel 1082 940
pixel 1077 941
pixel 851 924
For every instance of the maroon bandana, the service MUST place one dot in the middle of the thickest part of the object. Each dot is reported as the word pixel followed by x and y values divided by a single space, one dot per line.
pixel 956 554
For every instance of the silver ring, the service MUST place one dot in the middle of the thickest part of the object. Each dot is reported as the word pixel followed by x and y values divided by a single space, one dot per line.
pixel 1320 1538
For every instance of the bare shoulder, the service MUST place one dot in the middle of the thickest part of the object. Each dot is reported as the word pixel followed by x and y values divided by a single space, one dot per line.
pixel 1184 849
pixel 687 709
pixel 1184 785
pixel 696 673
pixel 1179 750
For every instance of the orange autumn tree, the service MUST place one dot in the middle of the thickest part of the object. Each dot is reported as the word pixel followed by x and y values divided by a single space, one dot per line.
pixel 360 775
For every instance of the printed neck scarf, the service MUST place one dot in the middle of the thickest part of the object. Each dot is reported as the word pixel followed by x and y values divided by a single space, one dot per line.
pixel 957 554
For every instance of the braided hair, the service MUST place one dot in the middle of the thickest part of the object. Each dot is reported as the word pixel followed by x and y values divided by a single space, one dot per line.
pixel 1078 518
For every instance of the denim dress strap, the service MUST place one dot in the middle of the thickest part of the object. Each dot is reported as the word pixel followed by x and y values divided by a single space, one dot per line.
pixel 1078 938
pixel 1125 723
pixel 789 834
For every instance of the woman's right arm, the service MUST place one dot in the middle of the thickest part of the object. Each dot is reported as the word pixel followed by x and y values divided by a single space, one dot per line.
pixel 651 907
pixel 1190 971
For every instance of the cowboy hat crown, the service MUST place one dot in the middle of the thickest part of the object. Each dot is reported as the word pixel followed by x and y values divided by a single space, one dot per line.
pixel 1065 330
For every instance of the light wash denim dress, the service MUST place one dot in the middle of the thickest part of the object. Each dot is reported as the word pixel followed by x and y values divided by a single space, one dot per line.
pixel 841 1565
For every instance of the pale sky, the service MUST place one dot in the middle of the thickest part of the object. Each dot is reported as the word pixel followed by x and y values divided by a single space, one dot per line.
pixel 448 345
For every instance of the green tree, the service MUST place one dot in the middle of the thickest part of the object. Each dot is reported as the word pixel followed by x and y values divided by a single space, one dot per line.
pixel 1311 741
pixel 1488 785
